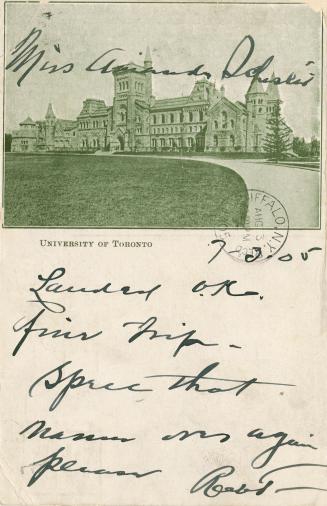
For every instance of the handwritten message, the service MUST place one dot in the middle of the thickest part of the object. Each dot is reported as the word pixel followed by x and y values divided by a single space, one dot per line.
pixel 197 378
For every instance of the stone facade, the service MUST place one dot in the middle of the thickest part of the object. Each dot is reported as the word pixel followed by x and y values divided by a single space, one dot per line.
pixel 138 122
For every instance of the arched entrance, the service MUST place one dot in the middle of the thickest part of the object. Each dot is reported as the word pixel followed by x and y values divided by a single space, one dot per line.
pixel 121 142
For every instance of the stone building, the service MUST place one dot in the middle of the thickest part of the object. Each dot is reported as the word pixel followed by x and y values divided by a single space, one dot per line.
pixel 50 134
pixel 25 138
pixel 206 120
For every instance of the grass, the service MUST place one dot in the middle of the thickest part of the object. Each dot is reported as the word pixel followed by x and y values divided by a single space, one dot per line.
pixel 110 191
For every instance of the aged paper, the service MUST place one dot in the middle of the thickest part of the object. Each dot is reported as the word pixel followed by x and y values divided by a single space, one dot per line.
pixel 163 255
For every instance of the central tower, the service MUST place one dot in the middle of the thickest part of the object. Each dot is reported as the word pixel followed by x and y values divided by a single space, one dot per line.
pixel 132 96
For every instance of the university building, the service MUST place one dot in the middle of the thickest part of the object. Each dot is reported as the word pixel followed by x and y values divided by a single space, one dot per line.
pixel 206 120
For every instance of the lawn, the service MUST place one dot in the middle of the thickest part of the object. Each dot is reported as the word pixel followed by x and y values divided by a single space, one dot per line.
pixel 111 191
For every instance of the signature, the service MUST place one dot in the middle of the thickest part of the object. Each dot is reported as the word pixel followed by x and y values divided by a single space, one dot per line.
pixel 212 486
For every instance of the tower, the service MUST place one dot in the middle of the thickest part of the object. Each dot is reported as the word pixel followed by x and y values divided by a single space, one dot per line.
pixel 256 105
pixel 273 97
pixel 148 75
pixel 50 123
pixel 132 96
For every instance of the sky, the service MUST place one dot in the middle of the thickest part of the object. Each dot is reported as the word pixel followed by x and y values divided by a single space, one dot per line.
pixel 180 37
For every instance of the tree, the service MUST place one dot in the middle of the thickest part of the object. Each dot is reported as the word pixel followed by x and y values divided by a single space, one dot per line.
pixel 277 141
pixel 314 146
pixel 8 139
pixel 300 147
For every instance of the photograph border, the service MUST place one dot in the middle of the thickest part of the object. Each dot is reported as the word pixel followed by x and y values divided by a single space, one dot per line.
pixel 88 227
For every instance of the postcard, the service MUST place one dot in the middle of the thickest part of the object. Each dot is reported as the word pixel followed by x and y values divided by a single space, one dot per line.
pixel 163 263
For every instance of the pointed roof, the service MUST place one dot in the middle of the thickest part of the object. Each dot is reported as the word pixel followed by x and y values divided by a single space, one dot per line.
pixel 255 86
pixel 50 113
pixel 28 121
pixel 147 55
pixel 272 89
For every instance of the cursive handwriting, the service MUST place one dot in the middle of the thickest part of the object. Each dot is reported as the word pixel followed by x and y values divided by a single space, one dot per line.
pixel 39 429
pixel 56 463
pixel 256 71
pixel 76 380
pixel 212 486
pixel 184 434
pixel 28 328
pixel 282 440
pixel 187 382
pixel 219 287
pixel 55 307
pixel 146 329
pixel 211 483
pixel 27 57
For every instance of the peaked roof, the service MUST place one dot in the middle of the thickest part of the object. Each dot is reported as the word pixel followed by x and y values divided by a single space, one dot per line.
pixel 28 121
pixel 272 89
pixel 255 86
pixel 225 102
pixel 50 113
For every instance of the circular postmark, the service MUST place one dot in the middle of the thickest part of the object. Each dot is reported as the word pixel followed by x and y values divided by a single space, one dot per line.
pixel 265 232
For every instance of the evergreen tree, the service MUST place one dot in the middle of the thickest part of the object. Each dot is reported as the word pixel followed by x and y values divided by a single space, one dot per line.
pixel 277 141
pixel 314 146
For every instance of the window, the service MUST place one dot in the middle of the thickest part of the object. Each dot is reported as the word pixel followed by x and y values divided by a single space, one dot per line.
pixel 232 123
pixel 201 116
pixel 163 118
pixel 191 116
pixel 162 143
pixel 154 119
pixel 181 117
pixel 190 142
pixel 171 142
pixel 171 118
pixel 224 119
pixel 154 143
pixel 260 109
pixel 216 124
pixel 215 140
